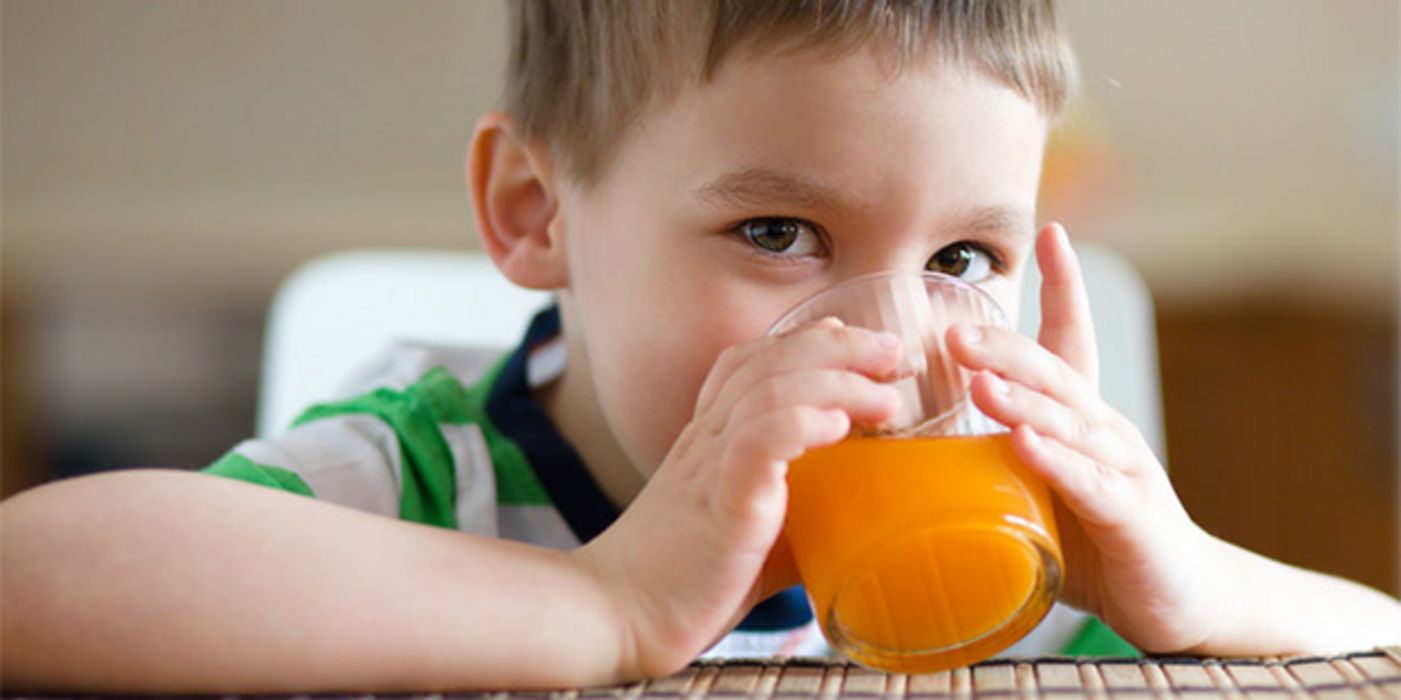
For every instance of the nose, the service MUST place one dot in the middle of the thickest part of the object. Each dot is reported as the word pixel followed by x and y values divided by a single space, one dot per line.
pixel 881 256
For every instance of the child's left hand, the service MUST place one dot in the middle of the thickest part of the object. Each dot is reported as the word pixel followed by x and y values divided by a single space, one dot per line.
pixel 1133 556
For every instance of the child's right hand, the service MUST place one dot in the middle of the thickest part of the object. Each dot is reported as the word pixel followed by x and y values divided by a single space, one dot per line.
pixel 688 558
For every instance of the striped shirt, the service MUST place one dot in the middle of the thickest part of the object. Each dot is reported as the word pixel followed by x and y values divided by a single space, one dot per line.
pixel 451 437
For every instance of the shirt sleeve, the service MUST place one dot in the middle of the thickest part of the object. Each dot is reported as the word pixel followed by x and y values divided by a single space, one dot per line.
pixel 398 452
pixel 1096 639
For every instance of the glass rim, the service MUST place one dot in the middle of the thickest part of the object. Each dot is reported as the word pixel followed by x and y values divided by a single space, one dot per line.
pixel 999 316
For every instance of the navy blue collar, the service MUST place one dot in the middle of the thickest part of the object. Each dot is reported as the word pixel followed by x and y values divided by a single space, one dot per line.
pixel 570 486
pixel 514 411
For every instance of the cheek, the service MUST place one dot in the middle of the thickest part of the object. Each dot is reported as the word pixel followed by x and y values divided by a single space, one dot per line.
pixel 649 388
pixel 650 365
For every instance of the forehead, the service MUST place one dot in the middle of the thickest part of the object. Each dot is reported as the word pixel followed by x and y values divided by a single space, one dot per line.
pixel 848 126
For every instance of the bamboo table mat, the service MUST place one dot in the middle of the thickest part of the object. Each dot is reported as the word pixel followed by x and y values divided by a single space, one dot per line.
pixel 1370 675
pixel 1366 675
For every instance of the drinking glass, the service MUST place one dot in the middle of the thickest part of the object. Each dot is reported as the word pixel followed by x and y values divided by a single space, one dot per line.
pixel 924 544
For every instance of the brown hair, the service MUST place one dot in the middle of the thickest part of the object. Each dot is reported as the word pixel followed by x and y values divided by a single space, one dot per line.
pixel 582 70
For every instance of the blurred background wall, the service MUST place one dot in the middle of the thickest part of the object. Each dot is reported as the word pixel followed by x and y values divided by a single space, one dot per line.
pixel 166 163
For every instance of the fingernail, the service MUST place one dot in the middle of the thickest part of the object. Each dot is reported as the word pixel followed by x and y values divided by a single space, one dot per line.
pixel 888 340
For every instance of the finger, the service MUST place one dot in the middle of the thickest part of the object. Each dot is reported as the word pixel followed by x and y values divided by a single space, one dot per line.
pixel 1018 359
pixel 1082 484
pixel 824 345
pixel 755 462
pixel 1066 327
pixel 1014 405
pixel 736 356
pixel 863 399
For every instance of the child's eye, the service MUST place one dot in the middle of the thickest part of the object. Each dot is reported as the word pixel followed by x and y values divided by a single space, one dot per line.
pixel 970 261
pixel 781 236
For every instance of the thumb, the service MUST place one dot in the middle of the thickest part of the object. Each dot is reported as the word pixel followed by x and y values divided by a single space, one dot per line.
pixel 1066 328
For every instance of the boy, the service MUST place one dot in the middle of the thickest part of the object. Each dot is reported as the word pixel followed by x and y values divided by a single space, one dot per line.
pixel 681 173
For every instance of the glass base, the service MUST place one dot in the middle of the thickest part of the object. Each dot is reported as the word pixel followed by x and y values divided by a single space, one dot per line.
pixel 939 599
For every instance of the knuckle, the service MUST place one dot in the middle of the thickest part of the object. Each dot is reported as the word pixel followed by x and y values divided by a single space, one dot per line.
pixel 1063 426
pixel 884 394
pixel 776 435
pixel 847 383
pixel 759 400
pixel 852 388
pixel 843 339
pixel 1121 425
pixel 835 334
pixel 1084 430
pixel 779 351
pixel 1065 377
pixel 1001 391
pixel 725 364
pixel 753 442
pixel 770 394
pixel 783 354
pixel 731 357
pixel 739 446
pixel 800 421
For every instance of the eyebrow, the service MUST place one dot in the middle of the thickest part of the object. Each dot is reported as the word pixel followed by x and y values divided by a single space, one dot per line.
pixel 1000 221
pixel 760 186
pixel 757 186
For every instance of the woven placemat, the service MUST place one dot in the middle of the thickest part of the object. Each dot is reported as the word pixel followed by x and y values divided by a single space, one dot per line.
pixel 1368 675
pixel 1372 675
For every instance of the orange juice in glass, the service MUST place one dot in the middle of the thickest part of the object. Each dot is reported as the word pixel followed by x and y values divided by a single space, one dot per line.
pixel 929 545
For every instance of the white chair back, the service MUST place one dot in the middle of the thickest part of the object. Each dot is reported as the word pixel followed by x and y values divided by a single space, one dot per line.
pixel 337 312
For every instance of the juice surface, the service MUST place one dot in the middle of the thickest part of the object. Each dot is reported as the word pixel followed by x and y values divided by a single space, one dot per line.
pixel 913 548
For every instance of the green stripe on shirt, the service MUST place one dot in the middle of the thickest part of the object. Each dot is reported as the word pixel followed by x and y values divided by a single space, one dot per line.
pixel 428 491
pixel 1096 639
pixel 235 466
pixel 428 475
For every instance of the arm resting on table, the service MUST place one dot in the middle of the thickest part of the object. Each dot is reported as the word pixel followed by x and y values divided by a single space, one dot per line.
pixel 1273 608
pixel 166 581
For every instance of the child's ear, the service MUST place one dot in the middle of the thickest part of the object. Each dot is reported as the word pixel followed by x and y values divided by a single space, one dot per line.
pixel 514 203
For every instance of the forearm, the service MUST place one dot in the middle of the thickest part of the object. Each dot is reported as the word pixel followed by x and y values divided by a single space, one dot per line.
pixel 173 582
pixel 1277 609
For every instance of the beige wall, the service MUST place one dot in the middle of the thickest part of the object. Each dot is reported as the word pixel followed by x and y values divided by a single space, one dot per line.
pixel 200 149
pixel 1262 137
pixel 192 152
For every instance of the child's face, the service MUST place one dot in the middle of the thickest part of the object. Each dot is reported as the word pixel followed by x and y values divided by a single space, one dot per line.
pixel 784 175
